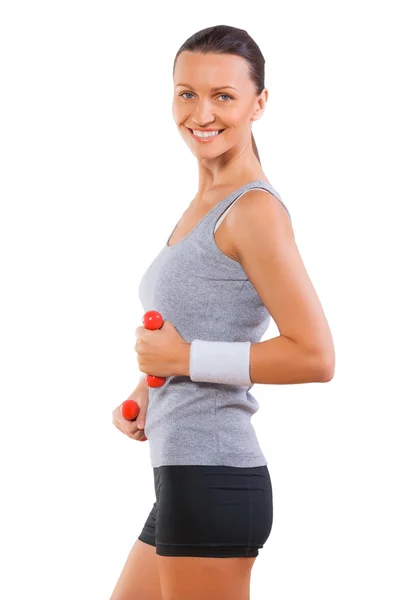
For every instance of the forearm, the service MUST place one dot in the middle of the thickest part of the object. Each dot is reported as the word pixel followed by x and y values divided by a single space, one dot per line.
pixel 279 360
pixel 141 382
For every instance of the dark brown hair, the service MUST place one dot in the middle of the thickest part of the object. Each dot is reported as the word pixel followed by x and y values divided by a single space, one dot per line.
pixel 224 39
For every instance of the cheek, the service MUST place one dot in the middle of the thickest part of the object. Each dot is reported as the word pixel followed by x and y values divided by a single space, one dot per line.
pixel 232 119
pixel 239 117
pixel 178 112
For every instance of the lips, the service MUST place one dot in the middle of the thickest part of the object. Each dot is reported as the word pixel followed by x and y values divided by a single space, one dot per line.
pixel 209 139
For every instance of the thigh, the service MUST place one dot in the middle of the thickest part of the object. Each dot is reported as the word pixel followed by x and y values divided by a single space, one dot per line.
pixel 139 579
pixel 203 578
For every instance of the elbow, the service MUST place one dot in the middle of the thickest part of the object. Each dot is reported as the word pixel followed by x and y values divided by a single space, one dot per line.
pixel 321 365
pixel 327 368
pixel 327 375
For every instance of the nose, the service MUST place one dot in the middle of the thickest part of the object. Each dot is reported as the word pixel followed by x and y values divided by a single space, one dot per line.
pixel 203 114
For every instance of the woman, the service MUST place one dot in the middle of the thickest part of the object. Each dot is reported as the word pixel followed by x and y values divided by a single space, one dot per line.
pixel 230 264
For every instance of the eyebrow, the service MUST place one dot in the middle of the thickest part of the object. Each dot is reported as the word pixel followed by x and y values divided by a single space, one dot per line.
pixel 215 89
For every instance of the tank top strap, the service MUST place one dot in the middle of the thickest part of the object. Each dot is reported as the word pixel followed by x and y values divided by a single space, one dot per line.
pixel 216 213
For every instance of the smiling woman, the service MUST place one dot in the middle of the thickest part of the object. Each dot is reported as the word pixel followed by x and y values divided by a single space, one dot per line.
pixel 219 290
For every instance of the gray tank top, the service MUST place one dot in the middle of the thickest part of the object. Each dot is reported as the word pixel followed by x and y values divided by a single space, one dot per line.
pixel 206 295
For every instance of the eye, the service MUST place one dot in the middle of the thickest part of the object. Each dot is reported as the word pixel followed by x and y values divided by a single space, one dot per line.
pixel 227 95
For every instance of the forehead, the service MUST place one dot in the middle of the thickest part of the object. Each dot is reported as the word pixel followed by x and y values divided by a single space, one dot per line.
pixel 211 70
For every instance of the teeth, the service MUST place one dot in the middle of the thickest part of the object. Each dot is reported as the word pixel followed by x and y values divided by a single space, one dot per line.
pixel 205 133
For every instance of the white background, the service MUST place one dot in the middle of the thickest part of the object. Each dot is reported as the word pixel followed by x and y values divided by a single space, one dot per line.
pixel 94 176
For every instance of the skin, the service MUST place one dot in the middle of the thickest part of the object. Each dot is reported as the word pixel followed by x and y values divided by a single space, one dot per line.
pixel 229 160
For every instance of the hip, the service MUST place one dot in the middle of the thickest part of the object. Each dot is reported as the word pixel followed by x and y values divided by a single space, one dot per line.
pixel 212 506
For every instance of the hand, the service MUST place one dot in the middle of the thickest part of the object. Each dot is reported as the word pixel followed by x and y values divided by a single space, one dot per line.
pixel 162 352
pixel 132 428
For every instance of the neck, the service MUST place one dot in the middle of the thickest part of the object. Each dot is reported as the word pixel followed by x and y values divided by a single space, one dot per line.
pixel 232 169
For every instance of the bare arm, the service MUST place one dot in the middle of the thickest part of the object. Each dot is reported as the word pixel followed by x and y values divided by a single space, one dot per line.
pixel 264 243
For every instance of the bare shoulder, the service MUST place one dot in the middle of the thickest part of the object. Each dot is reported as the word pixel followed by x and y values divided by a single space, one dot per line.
pixel 256 213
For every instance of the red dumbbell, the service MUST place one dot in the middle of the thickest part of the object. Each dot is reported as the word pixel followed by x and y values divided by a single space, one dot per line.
pixel 153 320
pixel 130 409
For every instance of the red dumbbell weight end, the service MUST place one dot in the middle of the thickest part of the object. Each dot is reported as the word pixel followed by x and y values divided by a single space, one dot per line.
pixel 130 410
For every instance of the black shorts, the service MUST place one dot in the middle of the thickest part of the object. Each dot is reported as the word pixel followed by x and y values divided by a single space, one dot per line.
pixel 213 511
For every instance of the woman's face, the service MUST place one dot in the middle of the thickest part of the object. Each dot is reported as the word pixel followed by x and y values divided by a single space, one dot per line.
pixel 214 91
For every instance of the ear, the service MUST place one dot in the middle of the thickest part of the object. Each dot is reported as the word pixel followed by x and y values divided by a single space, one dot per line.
pixel 260 105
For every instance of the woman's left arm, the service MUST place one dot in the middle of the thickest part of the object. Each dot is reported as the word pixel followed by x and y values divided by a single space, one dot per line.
pixel 264 244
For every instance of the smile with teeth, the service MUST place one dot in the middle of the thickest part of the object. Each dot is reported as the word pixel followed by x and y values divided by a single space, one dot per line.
pixel 204 135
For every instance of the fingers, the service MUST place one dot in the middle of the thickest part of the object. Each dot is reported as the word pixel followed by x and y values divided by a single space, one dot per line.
pixel 134 432
pixel 138 435
pixel 130 430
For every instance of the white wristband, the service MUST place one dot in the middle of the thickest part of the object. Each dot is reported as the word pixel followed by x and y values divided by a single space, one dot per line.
pixel 220 362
